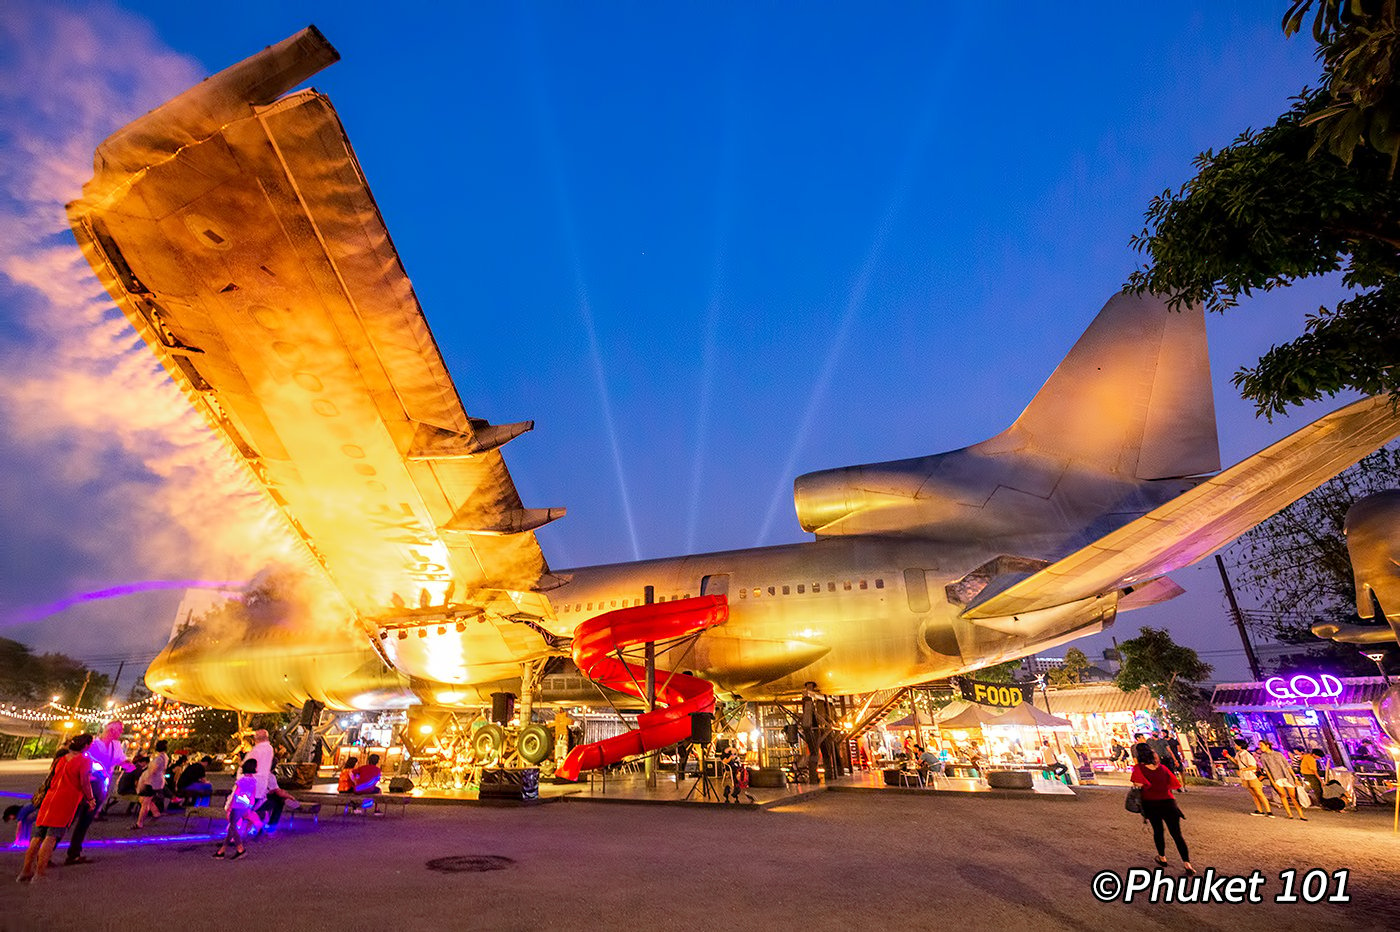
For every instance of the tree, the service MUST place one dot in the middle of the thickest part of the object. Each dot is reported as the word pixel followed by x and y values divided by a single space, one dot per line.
pixel 1296 567
pixel 1076 665
pixel 1171 672
pixel 29 677
pixel 1312 194
pixel 999 672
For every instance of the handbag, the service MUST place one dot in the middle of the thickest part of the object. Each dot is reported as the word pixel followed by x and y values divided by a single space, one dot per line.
pixel 1133 801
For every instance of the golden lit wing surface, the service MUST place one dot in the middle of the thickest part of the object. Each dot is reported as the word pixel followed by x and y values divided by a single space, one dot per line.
pixel 1207 517
pixel 236 231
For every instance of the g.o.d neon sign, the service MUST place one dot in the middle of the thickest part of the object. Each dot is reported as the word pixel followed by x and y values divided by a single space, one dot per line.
pixel 1303 686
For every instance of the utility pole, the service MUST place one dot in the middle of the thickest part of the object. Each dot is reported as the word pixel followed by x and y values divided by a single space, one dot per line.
pixel 1239 621
pixel 77 706
pixel 112 693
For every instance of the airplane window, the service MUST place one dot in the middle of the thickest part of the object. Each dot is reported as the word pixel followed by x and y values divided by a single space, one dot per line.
pixel 743 593
pixel 863 585
pixel 879 584
pixel 801 588
pixel 772 591
pixel 614 603
pixel 846 585
pixel 687 595
pixel 816 587
pixel 787 590
pixel 757 592
pixel 831 587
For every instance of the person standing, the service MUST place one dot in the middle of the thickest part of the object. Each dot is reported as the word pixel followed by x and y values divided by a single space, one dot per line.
pixel 240 807
pixel 152 784
pixel 1308 769
pixel 1275 768
pixel 1159 806
pixel 1248 769
pixel 108 757
pixel 1165 746
pixel 70 788
pixel 262 754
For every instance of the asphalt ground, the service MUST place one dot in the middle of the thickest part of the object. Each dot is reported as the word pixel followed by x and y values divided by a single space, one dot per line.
pixel 847 860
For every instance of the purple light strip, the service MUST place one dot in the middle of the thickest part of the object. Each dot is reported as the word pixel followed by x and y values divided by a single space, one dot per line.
pixel 157 839
pixel 36 612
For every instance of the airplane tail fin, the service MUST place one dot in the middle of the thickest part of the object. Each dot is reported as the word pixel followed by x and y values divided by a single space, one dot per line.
pixel 1133 396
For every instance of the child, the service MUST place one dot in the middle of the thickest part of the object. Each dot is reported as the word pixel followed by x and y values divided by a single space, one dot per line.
pixel 240 807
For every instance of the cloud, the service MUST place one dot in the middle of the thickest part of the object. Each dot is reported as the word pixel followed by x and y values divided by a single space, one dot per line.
pixel 109 475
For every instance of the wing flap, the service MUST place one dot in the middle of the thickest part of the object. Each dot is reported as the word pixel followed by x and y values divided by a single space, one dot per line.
pixel 249 254
pixel 1205 518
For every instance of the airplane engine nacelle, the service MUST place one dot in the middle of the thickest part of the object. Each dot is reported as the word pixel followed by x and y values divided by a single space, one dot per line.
pixel 832 495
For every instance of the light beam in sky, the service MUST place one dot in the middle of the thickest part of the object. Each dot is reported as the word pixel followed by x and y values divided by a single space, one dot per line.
pixel 913 159
pixel 544 127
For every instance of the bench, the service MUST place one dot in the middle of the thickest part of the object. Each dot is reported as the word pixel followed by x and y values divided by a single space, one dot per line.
pixel 207 813
pixel 311 811
pixel 354 803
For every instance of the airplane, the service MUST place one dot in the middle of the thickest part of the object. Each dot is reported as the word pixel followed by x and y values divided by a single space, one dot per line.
pixel 1372 529
pixel 234 227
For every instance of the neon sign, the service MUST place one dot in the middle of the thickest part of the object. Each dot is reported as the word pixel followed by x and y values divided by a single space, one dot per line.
pixel 1304 687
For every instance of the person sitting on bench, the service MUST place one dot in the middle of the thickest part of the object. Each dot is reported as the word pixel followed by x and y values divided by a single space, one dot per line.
pixel 192 786
pixel 347 776
pixel 365 778
pixel 277 800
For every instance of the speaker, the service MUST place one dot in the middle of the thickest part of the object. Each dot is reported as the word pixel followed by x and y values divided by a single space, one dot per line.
pixel 702 727
pixel 311 713
pixel 791 734
pixel 502 707
pixel 400 785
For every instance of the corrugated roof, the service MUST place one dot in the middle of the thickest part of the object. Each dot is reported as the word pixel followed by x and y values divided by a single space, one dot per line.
pixel 1096 699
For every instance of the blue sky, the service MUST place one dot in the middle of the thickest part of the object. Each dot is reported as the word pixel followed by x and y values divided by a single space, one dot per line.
pixel 707 247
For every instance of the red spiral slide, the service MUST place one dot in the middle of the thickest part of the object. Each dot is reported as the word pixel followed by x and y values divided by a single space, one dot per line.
pixel 677 695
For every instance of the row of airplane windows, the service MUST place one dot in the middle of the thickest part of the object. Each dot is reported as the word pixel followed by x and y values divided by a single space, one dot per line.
pixel 756 592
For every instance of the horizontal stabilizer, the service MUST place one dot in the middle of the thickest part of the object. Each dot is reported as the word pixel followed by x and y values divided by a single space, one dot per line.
pixel 1204 519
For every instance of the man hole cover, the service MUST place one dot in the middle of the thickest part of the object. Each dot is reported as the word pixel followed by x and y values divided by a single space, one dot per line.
pixel 470 863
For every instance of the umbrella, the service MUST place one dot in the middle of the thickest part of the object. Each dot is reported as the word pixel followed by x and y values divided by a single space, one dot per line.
pixel 1030 716
pixel 969 716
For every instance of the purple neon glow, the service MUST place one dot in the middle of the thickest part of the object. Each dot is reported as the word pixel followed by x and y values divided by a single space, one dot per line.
pixel 139 840
pixel 36 612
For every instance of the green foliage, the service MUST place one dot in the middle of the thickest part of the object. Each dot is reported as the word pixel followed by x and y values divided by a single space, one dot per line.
pixel 1171 672
pixel 1076 665
pixel 1310 195
pixel 1357 46
pixel 999 673
pixel 1296 567
pixel 33 678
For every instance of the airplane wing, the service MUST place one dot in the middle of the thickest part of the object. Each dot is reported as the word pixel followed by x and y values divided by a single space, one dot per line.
pixel 1204 519
pixel 236 231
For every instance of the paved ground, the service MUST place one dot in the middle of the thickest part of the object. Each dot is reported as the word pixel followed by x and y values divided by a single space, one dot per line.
pixel 836 860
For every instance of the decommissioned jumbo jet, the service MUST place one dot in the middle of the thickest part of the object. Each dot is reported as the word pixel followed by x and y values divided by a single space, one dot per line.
pixel 234 227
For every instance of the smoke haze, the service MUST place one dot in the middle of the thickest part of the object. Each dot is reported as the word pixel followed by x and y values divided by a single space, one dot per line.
pixel 110 476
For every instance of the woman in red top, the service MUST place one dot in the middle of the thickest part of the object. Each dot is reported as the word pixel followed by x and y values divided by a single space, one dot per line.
pixel 1159 805
pixel 70 785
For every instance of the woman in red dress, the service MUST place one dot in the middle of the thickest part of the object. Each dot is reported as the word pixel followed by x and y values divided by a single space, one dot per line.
pixel 71 785
pixel 1159 805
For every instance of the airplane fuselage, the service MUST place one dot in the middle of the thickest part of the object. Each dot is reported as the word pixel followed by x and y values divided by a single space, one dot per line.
pixel 849 614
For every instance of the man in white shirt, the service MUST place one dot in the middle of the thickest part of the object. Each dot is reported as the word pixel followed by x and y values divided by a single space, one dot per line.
pixel 108 756
pixel 262 753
